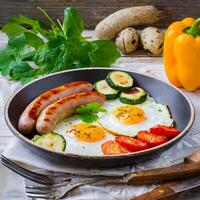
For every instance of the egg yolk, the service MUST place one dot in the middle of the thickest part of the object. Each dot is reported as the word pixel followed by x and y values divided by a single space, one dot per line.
pixel 87 132
pixel 129 114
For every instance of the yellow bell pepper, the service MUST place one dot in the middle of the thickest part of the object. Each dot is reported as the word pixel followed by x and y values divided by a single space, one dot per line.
pixel 182 53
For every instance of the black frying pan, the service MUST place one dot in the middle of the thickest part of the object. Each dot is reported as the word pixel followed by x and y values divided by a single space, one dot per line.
pixel 180 106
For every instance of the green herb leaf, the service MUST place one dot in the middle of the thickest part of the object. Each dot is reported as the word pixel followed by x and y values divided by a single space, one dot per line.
pixel 104 53
pixel 17 43
pixel 89 118
pixel 33 40
pixel 52 49
pixel 24 72
pixel 73 23
pixel 13 30
pixel 9 56
pixel 34 25
pixel 89 112
pixel 56 55
pixel 23 20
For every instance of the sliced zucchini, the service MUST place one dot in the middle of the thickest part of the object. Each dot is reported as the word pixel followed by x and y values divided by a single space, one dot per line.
pixel 134 96
pixel 119 80
pixel 35 138
pixel 52 141
pixel 103 88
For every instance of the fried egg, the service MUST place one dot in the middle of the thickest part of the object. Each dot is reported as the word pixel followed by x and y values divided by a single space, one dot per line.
pixel 82 138
pixel 121 119
pixel 125 119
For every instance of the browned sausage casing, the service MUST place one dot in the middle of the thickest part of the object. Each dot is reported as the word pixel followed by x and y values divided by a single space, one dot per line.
pixel 64 107
pixel 28 118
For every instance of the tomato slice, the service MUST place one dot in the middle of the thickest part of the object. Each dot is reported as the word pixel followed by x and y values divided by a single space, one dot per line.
pixel 131 144
pixel 113 148
pixel 165 130
pixel 151 139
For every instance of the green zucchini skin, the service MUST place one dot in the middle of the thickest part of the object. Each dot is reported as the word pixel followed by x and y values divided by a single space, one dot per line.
pixel 56 140
pixel 111 96
pixel 103 88
pixel 35 138
pixel 135 96
pixel 117 85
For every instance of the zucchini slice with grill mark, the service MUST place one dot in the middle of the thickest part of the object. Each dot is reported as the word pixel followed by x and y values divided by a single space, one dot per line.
pixel 134 96
pixel 119 80
pixel 103 88
pixel 53 141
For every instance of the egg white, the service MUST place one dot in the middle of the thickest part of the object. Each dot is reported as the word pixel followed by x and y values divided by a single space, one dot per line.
pixel 155 113
pixel 74 146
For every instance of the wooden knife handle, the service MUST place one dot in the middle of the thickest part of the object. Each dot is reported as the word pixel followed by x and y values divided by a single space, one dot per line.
pixel 160 193
pixel 164 191
pixel 194 157
pixel 175 172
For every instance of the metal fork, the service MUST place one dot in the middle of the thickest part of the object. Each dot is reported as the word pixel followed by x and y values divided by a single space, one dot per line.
pixel 60 191
pixel 47 179
pixel 52 177
pixel 34 176
pixel 55 186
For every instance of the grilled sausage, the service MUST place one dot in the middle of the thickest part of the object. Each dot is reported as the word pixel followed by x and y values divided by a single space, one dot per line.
pixel 28 118
pixel 64 107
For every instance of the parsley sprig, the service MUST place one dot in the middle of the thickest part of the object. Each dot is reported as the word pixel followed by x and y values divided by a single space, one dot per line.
pixel 89 112
pixel 35 49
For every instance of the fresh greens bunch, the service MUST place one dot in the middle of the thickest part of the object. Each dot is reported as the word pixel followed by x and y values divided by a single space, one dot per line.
pixel 34 49
pixel 89 112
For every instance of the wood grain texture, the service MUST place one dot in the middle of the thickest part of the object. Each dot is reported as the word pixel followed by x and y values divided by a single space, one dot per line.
pixel 163 192
pixel 175 172
pixel 95 10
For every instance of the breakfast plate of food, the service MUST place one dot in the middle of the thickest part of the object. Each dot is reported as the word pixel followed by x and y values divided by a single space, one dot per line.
pixel 98 117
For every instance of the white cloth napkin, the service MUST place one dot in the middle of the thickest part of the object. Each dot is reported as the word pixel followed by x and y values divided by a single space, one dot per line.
pixel 17 152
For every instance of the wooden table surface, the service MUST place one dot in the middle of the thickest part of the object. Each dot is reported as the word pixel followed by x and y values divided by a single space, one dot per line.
pixel 147 65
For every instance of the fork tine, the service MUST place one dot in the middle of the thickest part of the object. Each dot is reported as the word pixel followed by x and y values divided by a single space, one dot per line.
pixel 40 196
pixel 52 173
pixel 25 175
pixel 40 190
pixel 45 187
pixel 21 168
pixel 50 178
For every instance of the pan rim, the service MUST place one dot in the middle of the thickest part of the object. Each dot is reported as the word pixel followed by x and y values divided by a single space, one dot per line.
pixel 133 154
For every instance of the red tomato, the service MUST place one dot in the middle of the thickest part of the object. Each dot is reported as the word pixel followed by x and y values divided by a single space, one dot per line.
pixel 113 148
pixel 165 130
pixel 151 139
pixel 131 144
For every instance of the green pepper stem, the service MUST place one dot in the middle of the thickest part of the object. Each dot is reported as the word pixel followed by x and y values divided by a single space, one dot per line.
pixel 194 30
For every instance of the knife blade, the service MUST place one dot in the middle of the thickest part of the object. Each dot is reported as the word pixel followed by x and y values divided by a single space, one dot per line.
pixel 188 169
pixel 188 184
pixel 170 190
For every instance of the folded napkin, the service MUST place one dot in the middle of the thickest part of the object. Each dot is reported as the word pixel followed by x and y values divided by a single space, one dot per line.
pixel 25 157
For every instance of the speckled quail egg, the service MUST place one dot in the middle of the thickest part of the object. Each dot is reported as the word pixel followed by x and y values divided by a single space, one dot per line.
pixel 127 41
pixel 152 41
